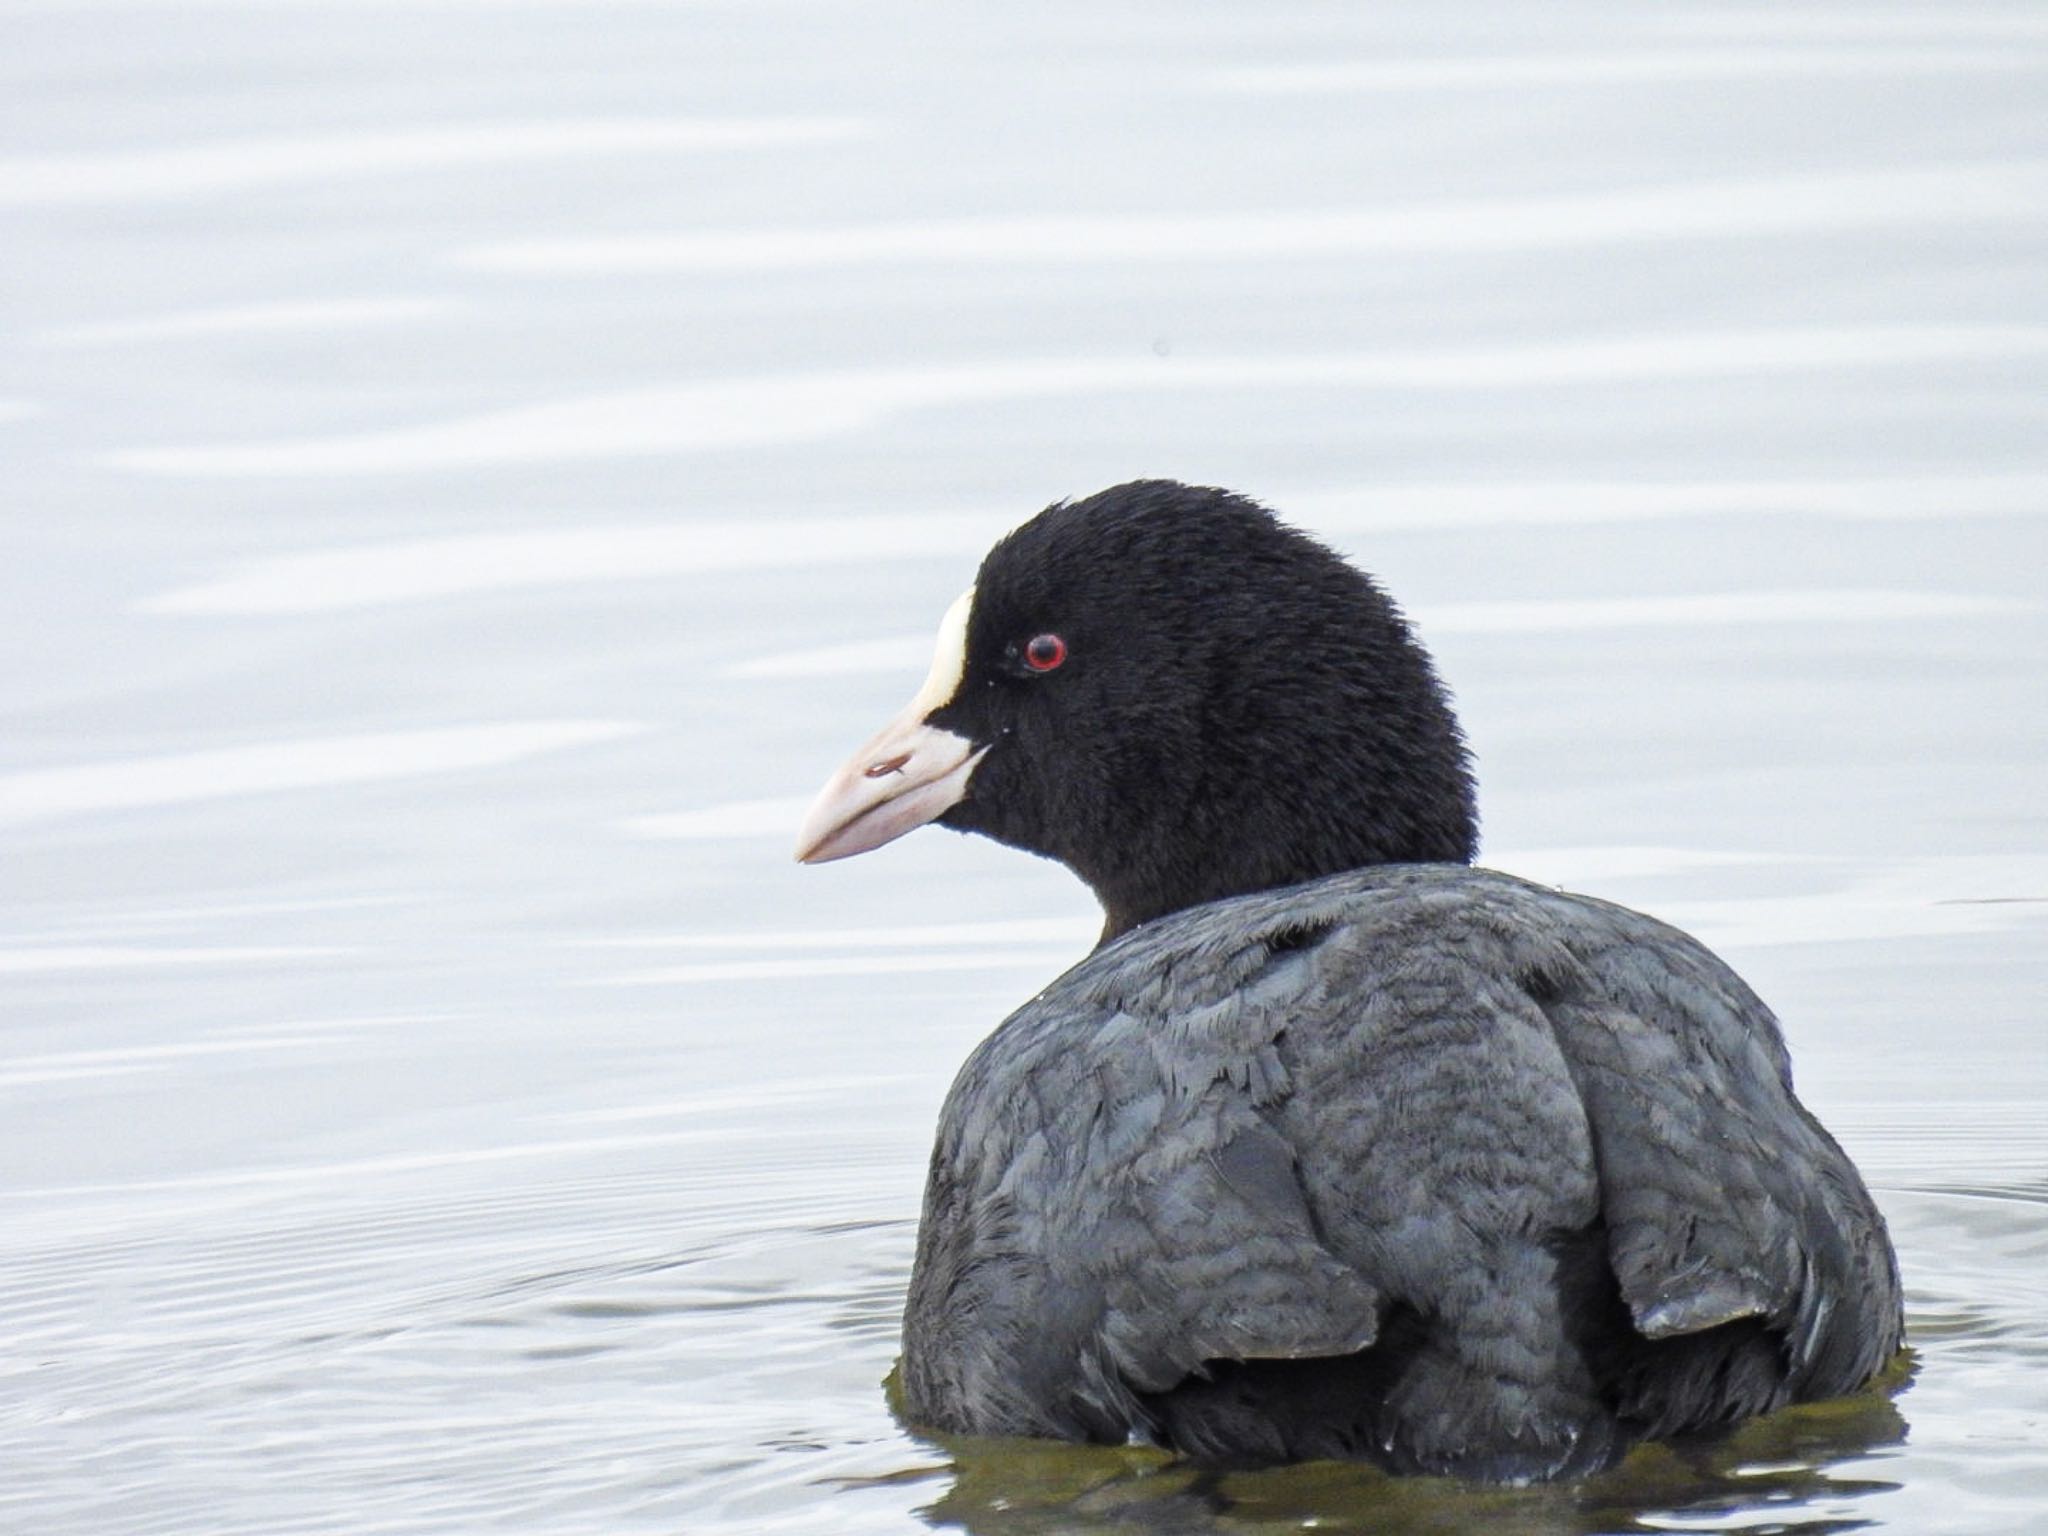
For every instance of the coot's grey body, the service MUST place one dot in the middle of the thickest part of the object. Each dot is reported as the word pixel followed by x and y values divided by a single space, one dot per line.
pixel 1337 1146
pixel 1423 1165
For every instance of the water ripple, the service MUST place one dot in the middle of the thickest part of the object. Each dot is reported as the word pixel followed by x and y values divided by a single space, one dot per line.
pixel 1998 191
pixel 1644 66
pixel 325 580
pixel 284 316
pixel 179 778
pixel 182 172
pixel 113 957
pixel 809 406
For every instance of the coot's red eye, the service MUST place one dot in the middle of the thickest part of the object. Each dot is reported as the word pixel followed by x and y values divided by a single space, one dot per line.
pixel 1045 652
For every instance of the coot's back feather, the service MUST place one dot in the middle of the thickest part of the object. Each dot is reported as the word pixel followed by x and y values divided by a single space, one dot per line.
pixel 1420 1164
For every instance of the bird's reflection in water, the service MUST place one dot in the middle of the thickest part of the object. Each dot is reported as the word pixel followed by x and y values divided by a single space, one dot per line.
pixel 1805 1470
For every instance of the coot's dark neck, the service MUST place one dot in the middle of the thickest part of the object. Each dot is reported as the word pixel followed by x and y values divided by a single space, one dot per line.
pixel 1285 829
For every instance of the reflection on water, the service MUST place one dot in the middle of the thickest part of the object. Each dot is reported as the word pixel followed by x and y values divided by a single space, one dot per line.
pixel 473 465
pixel 1815 1469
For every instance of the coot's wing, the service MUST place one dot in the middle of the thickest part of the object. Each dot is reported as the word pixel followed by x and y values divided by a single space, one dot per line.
pixel 1723 1197
pixel 1719 1195
pixel 1110 1207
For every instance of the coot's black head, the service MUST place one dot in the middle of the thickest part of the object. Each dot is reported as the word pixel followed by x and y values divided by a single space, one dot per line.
pixel 1179 698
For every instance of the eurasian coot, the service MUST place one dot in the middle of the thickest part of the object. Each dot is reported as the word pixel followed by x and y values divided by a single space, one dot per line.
pixel 1336 1146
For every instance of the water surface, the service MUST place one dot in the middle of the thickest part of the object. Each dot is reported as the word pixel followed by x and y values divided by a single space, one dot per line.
pixel 472 466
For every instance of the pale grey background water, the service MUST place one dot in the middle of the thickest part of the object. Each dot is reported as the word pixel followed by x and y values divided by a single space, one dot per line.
pixel 471 468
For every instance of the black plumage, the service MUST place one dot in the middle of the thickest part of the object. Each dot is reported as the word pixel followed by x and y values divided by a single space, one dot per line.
pixel 1241 707
pixel 1337 1147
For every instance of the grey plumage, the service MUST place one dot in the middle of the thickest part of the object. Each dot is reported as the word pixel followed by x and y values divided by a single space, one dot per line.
pixel 1420 1164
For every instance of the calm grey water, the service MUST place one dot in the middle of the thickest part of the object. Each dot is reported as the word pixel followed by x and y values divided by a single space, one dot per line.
pixel 469 469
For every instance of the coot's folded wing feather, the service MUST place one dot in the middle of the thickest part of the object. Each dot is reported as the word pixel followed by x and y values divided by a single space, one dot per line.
pixel 1719 1195
pixel 1111 1206
pixel 1724 1197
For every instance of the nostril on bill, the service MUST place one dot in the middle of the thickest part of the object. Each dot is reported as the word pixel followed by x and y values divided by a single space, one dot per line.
pixel 893 765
